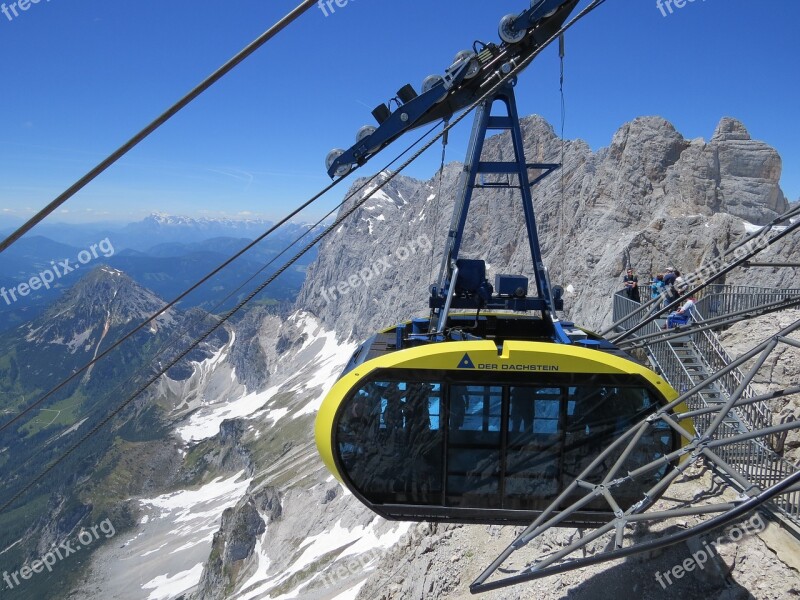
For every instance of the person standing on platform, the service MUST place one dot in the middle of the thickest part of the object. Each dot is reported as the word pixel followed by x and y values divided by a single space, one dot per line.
pixel 669 281
pixel 631 285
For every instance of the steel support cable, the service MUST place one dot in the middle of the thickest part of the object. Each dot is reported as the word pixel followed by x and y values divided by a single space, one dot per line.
pixel 171 112
pixel 175 360
pixel 503 79
pixel 219 268
pixel 561 217
pixel 176 336
pixel 772 395
pixel 437 201
pixel 214 272
pixel 169 305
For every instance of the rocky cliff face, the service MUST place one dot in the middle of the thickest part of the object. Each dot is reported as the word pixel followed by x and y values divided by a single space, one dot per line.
pixel 652 199
pixel 236 539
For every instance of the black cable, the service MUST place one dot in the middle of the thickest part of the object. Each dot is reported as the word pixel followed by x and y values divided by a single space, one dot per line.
pixel 216 271
pixel 175 360
pixel 437 200
pixel 171 112
pixel 501 82
pixel 561 233
pixel 171 304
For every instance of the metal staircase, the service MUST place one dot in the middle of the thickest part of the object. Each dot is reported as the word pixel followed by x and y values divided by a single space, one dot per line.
pixel 699 357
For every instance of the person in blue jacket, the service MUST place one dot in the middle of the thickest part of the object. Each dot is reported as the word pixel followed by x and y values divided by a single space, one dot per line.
pixel 657 286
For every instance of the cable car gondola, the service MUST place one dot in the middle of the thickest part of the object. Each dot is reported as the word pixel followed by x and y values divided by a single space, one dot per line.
pixel 486 416
pixel 455 431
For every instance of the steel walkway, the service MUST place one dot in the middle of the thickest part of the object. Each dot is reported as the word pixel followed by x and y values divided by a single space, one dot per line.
pixel 689 360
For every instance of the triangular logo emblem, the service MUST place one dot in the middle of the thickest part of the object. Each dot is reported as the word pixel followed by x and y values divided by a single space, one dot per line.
pixel 466 363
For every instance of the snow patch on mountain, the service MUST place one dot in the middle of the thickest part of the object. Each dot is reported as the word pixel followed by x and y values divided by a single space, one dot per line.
pixel 181 527
pixel 166 587
pixel 324 358
pixel 339 542
pixel 204 423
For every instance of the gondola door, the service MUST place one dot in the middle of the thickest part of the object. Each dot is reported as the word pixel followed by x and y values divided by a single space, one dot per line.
pixel 474 447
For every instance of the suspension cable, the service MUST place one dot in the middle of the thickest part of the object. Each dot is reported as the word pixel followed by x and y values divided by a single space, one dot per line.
pixel 196 342
pixel 561 216
pixel 166 116
pixel 502 80
pixel 225 264
pixel 169 305
pixel 437 201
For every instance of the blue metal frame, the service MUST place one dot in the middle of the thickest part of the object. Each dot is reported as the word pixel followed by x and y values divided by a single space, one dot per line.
pixel 442 296
pixel 455 92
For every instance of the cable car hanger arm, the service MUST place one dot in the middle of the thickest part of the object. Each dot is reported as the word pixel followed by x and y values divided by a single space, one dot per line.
pixel 463 82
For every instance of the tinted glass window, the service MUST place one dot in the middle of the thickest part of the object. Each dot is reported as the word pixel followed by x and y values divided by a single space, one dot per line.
pixel 474 443
pixel 507 446
pixel 534 447
pixel 390 441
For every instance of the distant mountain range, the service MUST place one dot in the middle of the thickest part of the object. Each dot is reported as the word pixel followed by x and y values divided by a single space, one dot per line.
pixel 156 229
pixel 166 254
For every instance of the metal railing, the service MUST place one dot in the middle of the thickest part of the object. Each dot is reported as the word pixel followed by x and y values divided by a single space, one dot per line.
pixel 753 459
pixel 709 349
pixel 718 299
pixel 665 359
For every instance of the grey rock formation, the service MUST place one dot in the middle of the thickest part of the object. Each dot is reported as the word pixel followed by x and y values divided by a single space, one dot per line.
pixel 651 199
pixel 235 541
pixel 256 344
pixel 731 173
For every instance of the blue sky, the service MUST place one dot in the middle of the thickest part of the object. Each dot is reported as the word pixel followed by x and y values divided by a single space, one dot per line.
pixel 81 77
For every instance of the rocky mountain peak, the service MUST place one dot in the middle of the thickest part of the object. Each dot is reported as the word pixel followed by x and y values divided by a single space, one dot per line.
pixel 647 144
pixel 102 299
pixel 539 126
pixel 730 129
